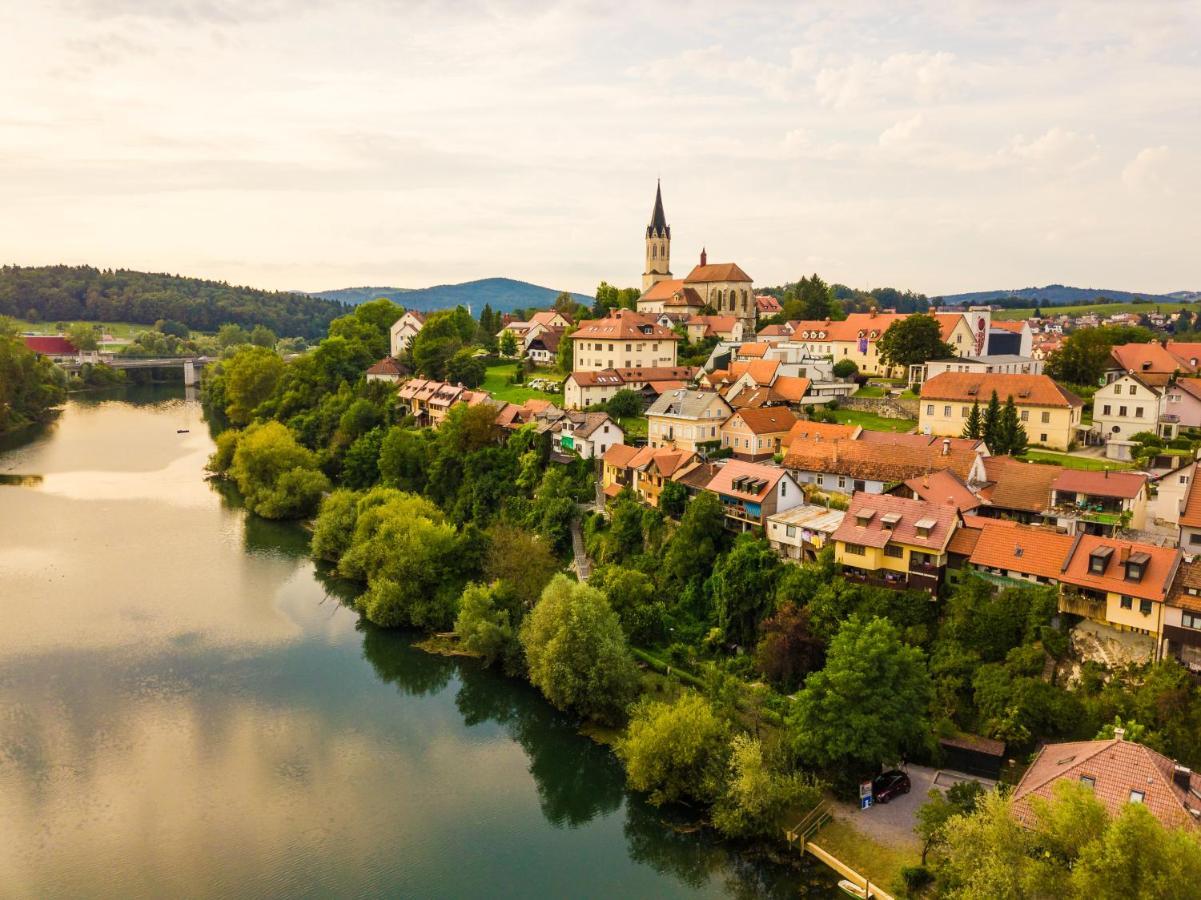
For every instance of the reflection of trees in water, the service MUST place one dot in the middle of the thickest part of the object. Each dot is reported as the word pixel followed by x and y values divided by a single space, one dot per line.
pixel 396 662
pixel 259 535
pixel 576 779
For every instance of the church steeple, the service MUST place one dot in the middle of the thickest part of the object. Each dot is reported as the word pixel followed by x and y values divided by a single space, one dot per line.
pixel 658 244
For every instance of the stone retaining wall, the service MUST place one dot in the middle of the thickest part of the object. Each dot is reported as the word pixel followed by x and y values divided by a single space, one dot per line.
pixel 885 407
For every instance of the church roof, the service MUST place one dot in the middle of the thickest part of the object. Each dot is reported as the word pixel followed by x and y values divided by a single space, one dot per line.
pixel 658 226
pixel 716 272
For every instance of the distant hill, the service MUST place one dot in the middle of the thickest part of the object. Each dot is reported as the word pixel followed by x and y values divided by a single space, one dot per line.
pixel 504 295
pixel 1064 295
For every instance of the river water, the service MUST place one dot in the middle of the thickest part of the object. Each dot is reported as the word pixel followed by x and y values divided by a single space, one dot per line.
pixel 188 709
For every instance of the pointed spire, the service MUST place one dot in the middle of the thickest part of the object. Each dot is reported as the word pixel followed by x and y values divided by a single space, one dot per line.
pixel 704 257
pixel 658 226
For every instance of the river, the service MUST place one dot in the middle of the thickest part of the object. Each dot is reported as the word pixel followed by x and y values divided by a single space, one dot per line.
pixel 188 709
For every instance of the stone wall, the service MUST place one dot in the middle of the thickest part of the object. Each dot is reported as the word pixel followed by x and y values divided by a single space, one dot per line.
pixel 885 407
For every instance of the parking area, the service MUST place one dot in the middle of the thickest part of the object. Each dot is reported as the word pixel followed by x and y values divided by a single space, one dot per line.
pixel 892 823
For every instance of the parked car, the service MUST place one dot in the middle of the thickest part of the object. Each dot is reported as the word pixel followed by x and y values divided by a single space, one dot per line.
pixel 889 785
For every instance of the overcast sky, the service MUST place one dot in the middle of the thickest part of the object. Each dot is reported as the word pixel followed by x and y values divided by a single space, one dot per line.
pixel 310 144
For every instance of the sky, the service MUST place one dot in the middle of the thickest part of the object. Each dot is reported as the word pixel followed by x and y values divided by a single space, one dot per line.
pixel 304 144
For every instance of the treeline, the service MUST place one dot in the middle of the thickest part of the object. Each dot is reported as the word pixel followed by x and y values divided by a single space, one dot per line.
pixel 67 293
pixel 812 298
pixel 30 386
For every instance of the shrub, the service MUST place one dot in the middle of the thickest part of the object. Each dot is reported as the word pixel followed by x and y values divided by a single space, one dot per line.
pixel 676 751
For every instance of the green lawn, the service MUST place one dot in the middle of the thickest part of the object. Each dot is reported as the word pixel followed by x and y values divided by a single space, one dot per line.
pixel 874 860
pixel 869 390
pixel 496 383
pixel 1101 309
pixel 633 426
pixel 116 329
pixel 872 422
pixel 1087 463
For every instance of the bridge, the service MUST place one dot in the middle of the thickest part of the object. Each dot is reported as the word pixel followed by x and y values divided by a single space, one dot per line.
pixel 190 364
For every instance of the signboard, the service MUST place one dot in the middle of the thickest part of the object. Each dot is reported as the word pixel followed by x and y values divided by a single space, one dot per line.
pixel 865 795
pixel 863 345
pixel 567 442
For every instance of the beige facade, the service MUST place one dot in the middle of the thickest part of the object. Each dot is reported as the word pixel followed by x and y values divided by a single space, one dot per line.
pixel 1125 407
pixel 685 419
pixel 1051 427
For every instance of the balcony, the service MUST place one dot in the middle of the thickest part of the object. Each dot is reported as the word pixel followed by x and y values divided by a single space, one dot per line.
pixel 1082 605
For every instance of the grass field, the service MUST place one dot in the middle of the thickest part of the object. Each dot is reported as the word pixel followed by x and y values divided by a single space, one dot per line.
pixel 1087 463
pixel 872 422
pixel 633 426
pixel 116 329
pixel 1102 309
pixel 496 383
pixel 878 862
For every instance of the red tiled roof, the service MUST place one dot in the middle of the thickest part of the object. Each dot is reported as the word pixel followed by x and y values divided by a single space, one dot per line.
pixel 875 462
pixel 874 533
pixel 754 349
pixel 662 290
pixel 1186 352
pixel 964 540
pixel 762 371
pixel 791 387
pixel 1191 386
pixel 386 366
pixel 619 455
pixel 947 323
pixel 714 324
pixel 1026 390
pixel 1022 548
pixel 767 304
pixel 666 460
pixel 52 345
pixel 723 480
pixel 1190 516
pixel 1146 358
pixel 624 325
pixel 918 440
pixel 1186 587
pixel 1115 769
pixel 1125 485
pixel 716 272
pixel 1019 486
pixel 767 420
pixel 944 487
pixel 640 376
pixel 805 430
pixel 1157 573
pixel 775 331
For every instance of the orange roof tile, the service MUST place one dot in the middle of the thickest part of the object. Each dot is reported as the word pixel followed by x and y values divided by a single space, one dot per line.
pixel 662 290
pixel 964 540
pixel 624 324
pixel 767 420
pixel 762 371
pixel 716 272
pixel 805 430
pixel 1148 358
pixel 858 528
pixel 1028 390
pixel 755 349
pixel 1190 517
pixel 1126 485
pixel 944 487
pixel 1157 574
pixel 619 455
pixel 875 462
pixel 723 480
pixel 1019 486
pixel 1022 548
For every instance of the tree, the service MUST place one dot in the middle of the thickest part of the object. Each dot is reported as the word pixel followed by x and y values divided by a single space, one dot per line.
pixel 814 295
pixel 172 327
pixel 676 751
pixel 990 426
pixel 974 427
pixel 846 368
pixel 30 385
pixel 333 529
pixel 624 403
pixel 360 466
pixel 1138 857
pixel 1085 354
pixel 932 816
pixel 756 796
pixel 404 459
pixel 82 336
pixel 520 559
pixel 1011 434
pixel 744 587
pixel 788 650
pixel 577 653
pixel 466 368
pixel 278 478
pixel 262 336
pixel 912 341
pixel 565 356
pixel 633 597
pixel 507 344
pixel 696 543
pixel 232 335
pixel 839 719
pixel 485 623
pixel 251 376
pixel 672 499
pixel 987 854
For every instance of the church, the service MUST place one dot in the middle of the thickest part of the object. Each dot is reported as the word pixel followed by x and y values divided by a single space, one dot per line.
pixel 723 286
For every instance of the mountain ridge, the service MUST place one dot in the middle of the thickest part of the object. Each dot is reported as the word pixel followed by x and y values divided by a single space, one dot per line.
pixel 502 294
pixel 1067 295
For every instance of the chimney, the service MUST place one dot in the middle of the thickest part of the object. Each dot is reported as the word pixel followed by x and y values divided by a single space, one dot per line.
pixel 704 257
pixel 946 446
pixel 1123 555
pixel 1182 777
pixel 1119 734
pixel 872 314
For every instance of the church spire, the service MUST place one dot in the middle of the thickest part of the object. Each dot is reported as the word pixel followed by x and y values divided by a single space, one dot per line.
pixel 658 226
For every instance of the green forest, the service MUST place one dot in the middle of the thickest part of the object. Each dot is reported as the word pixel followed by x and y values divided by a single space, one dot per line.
pixel 70 293
pixel 30 386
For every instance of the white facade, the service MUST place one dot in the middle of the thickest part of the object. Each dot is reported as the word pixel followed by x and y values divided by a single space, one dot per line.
pixel 1125 407
pixel 404 330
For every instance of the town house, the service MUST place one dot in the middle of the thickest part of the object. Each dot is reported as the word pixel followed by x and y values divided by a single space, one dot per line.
pixel 895 542
pixel 623 340
pixel 751 493
pixel 1050 414
pixel 756 434
pixel 687 419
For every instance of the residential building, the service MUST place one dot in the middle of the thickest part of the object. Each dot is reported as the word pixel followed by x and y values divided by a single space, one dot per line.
pixel 1171 492
pixel 1100 501
pixel 587 435
pixel 767 306
pixel 724 328
pixel 57 348
pixel 429 401
pixel 1181 406
pixel 1129 404
pixel 942 486
pixel 956 330
pixel 894 541
pixel 1015 338
pixel 623 340
pixel 847 466
pixel 404 329
pixel 1050 414
pixel 1013 489
pixel 543 348
pixel 757 434
pixel 806 430
pixel 654 467
pixel 584 389
pixel 1152 359
pixel 1190 520
pixel 1119 583
pixel 615 469
pixel 1117 772
pixel 1013 552
pixel 800 533
pixel 751 493
pixel 981 365
pixel 1182 618
pixel 387 369
pixel 686 419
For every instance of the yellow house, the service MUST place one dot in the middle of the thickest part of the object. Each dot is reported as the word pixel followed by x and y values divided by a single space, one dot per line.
pixel 894 541
pixel 686 419
pixel 1120 583
pixel 1050 414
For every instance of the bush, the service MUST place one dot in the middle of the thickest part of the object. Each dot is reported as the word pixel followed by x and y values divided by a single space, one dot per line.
pixel 676 751
pixel 756 797
pixel 916 877
pixel 845 368
pixel 624 403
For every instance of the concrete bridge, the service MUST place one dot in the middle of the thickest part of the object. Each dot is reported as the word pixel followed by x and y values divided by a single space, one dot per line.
pixel 191 365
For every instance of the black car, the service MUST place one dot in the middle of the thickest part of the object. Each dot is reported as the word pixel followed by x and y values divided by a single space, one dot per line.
pixel 889 785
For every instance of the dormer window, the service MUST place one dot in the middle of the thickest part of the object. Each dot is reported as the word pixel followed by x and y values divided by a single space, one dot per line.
pixel 1137 796
pixel 890 520
pixel 924 527
pixel 1099 559
pixel 864 516
pixel 1136 565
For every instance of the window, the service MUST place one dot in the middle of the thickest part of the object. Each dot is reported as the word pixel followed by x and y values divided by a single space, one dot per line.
pixel 1046 418
pixel 842 481
pixel 783 487
pixel 929 409
pixel 790 530
pixel 1184 479
pixel 1144 607
pixel 963 412
pixel 1127 603
pixel 1194 538
pixel 1191 620
pixel 894 551
pixel 1137 796
pixel 1122 411
pixel 1025 417
pixel 1088 781
pixel 854 549
pixel 1138 412
pixel 946 411
pixel 1107 410
pixel 1042 438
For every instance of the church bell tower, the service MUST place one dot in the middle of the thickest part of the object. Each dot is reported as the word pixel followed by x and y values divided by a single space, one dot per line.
pixel 658 245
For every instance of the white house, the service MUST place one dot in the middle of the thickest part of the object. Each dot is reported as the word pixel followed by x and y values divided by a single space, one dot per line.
pixel 405 329
pixel 1126 406
pixel 588 435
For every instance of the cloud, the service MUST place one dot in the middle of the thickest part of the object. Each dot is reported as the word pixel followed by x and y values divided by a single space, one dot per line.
pixel 1145 174
pixel 1057 148
pixel 900 132
pixel 911 77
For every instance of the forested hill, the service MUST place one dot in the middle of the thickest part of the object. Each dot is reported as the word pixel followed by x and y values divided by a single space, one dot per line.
pixel 66 293
pixel 502 294
pixel 1063 295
